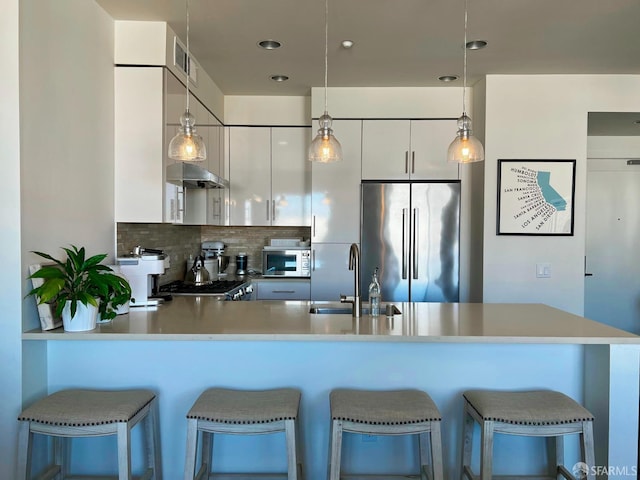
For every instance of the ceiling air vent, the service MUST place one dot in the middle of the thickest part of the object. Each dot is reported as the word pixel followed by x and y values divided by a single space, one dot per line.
pixel 184 62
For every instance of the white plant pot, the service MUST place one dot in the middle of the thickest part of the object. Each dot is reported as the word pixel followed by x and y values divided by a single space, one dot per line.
pixel 84 319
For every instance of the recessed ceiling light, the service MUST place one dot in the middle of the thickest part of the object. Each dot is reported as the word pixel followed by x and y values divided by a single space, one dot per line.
pixel 476 44
pixel 269 44
pixel 448 78
pixel 279 78
pixel 637 122
pixel 347 43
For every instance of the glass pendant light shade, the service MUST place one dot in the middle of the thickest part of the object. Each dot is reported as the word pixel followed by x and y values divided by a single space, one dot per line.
pixel 187 145
pixel 325 148
pixel 465 148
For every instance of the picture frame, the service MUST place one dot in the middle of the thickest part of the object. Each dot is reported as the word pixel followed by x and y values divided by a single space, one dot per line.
pixel 536 197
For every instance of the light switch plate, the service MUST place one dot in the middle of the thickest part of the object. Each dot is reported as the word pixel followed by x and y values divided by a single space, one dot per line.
pixel 543 270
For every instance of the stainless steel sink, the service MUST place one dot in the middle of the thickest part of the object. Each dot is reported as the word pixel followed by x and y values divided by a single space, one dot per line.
pixel 326 309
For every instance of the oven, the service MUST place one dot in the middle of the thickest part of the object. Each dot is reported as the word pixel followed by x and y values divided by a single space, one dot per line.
pixel 234 290
pixel 286 262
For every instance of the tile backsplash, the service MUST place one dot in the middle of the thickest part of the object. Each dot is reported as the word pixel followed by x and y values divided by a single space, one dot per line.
pixel 180 241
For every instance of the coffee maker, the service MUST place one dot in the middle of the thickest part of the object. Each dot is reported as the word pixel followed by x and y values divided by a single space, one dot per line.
pixel 140 271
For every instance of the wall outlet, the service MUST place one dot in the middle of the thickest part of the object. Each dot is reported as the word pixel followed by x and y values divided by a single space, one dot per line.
pixel 543 270
pixel 369 438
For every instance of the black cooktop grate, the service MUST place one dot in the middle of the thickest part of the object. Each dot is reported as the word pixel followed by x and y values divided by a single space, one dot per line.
pixel 215 287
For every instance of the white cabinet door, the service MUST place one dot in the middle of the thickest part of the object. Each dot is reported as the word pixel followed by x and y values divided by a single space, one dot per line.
pixel 138 145
pixel 250 176
pixel 215 196
pixel 290 177
pixel 330 274
pixel 335 197
pixel 430 140
pixel 386 149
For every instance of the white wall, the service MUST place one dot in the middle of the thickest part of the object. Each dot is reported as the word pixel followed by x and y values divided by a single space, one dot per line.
pixel 11 274
pixel 543 117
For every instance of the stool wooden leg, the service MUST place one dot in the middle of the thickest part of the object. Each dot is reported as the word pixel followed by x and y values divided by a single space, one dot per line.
pixel 587 447
pixel 25 440
pixel 467 441
pixel 292 454
pixel 436 451
pixel 152 438
pixel 559 444
pixel 335 452
pixel 486 453
pixel 299 450
pixel 62 455
pixel 425 463
pixel 124 451
pixel 192 445
pixel 206 455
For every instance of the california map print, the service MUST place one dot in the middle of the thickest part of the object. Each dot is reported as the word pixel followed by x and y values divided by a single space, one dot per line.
pixel 535 197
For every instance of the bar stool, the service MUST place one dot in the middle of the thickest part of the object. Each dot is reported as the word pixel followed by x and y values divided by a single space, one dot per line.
pixel 90 413
pixel 537 413
pixel 390 412
pixel 242 412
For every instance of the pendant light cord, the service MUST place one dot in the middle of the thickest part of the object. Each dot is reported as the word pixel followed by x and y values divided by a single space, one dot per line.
pixel 464 67
pixel 326 51
pixel 188 60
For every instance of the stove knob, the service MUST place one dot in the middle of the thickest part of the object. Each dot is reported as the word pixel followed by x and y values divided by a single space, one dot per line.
pixel 249 289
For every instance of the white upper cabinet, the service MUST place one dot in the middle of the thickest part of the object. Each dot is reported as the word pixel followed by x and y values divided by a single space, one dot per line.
pixel 270 176
pixel 407 150
pixel 139 146
pixel 290 177
pixel 335 198
pixel 250 176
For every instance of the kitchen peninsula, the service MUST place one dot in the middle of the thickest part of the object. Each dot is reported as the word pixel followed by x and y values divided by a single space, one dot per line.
pixel 191 343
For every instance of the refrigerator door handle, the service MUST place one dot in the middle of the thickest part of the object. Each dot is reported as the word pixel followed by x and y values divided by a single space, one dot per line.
pixel 415 243
pixel 404 243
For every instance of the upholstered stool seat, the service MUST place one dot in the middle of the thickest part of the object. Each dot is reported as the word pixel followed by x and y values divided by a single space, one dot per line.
pixel 90 413
pixel 541 413
pixel 386 412
pixel 244 412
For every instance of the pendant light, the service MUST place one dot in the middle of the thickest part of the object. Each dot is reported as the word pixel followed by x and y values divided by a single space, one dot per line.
pixel 465 148
pixel 325 148
pixel 187 145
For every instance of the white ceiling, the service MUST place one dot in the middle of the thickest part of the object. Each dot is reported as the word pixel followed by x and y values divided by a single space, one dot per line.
pixel 397 42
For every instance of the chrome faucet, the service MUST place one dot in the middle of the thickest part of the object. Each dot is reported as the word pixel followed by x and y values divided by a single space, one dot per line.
pixel 356 299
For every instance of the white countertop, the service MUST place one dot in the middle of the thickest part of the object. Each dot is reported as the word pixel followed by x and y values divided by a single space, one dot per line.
pixel 205 318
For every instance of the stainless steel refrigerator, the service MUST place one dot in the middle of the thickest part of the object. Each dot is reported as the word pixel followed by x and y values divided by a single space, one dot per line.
pixel 411 232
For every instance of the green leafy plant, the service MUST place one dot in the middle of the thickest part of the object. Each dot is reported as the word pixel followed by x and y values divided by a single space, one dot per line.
pixel 81 280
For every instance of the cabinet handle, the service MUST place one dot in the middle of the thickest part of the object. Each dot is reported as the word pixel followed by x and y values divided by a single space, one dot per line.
pixel 172 209
pixel 283 291
pixel 406 161
pixel 313 260
pixel 413 162
pixel 404 243
pixel 268 209
pixel 313 226
pixel 273 210
pixel 415 243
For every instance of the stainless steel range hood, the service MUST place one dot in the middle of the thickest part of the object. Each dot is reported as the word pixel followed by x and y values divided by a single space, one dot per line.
pixel 190 175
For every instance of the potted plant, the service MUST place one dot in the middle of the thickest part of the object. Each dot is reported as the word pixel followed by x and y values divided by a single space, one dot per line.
pixel 81 288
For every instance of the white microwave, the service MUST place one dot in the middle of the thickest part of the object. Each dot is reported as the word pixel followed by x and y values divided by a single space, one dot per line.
pixel 286 262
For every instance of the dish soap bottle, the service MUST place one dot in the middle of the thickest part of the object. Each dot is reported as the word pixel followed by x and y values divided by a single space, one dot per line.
pixel 374 295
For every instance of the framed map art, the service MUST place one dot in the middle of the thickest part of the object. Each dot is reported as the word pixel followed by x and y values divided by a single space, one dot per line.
pixel 536 197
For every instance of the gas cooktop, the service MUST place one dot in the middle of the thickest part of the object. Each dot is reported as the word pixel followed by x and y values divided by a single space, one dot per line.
pixel 216 287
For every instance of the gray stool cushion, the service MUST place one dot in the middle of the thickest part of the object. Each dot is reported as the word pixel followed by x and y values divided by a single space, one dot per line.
pixel 246 406
pixel 387 407
pixel 537 407
pixel 81 408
